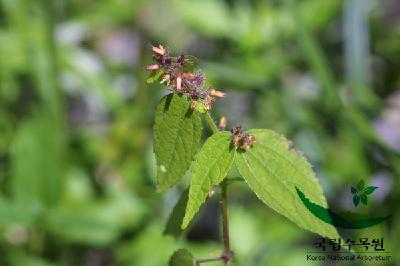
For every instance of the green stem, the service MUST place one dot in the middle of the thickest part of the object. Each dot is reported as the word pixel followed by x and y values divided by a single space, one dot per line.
pixel 211 123
pixel 224 213
pixel 198 261
pixel 227 255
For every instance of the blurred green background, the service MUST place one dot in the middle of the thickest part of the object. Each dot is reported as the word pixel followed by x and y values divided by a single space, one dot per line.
pixel 76 161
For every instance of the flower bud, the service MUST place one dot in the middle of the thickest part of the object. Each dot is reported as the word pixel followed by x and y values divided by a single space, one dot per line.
pixel 166 78
pixel 178 83
pixel 222 123
pixel 159 50
pixel 152 67
pixel 216 93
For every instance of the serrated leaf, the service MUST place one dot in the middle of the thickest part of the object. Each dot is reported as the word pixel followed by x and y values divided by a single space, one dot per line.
pixel 200 107
pixel 273 171
pixel 181 257
pixel 175 219
pixel 155 75
pixel 176 137
pixel 353 190
pixel 356 200
pixel 369 190
pixel 361 185
pixel 211 166
pixel 364 199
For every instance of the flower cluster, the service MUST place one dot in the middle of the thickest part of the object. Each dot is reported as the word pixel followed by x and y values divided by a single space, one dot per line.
pixel 242 140
pixel 179 75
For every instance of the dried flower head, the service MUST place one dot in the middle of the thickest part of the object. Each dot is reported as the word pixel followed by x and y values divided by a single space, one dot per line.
pixel 178 74
pixel 242 140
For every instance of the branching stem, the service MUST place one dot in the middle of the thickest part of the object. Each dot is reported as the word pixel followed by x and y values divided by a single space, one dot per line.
pixel 199 261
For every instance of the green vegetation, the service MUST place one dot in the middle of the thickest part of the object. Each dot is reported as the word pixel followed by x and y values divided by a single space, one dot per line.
pixel 78 173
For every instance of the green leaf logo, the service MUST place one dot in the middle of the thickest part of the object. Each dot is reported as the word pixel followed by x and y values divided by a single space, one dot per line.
pixel 361 193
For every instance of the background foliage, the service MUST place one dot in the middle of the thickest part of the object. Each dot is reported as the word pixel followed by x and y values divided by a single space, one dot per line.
pixel 77 171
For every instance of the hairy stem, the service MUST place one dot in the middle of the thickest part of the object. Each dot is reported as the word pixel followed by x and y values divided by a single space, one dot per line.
pixel 224 213
pixel 211 123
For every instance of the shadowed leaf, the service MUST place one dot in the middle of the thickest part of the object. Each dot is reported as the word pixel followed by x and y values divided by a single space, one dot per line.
pixel 174 222
pixel 356 200
pixel 181 257
pixel 364 199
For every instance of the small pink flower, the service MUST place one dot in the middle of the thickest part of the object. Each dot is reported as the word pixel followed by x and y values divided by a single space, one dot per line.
pixel 166 78
pixel 159 50
pixel 152 67
pixel 222 123
pixel 178 83
pixel 216 93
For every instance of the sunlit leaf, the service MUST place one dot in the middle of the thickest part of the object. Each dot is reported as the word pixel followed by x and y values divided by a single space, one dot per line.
pixel 155 75
pixel 273 171
pixel 211 166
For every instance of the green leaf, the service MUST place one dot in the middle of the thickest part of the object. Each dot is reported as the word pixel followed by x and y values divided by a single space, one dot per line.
pixel 36 153
pixel 174 222
pixel 200 107
pixel 155 75
pixel 181 257
pixel 273 171
pixel 356 200
pixel 176 137
pixel 12 212
pixel 353 190
pixel 361 185
pixel 369 190
pixel 95 223
pixel 364 199
pixel 211 166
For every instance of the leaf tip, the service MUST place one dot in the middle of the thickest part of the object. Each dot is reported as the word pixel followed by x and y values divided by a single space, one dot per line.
pixel 185 223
